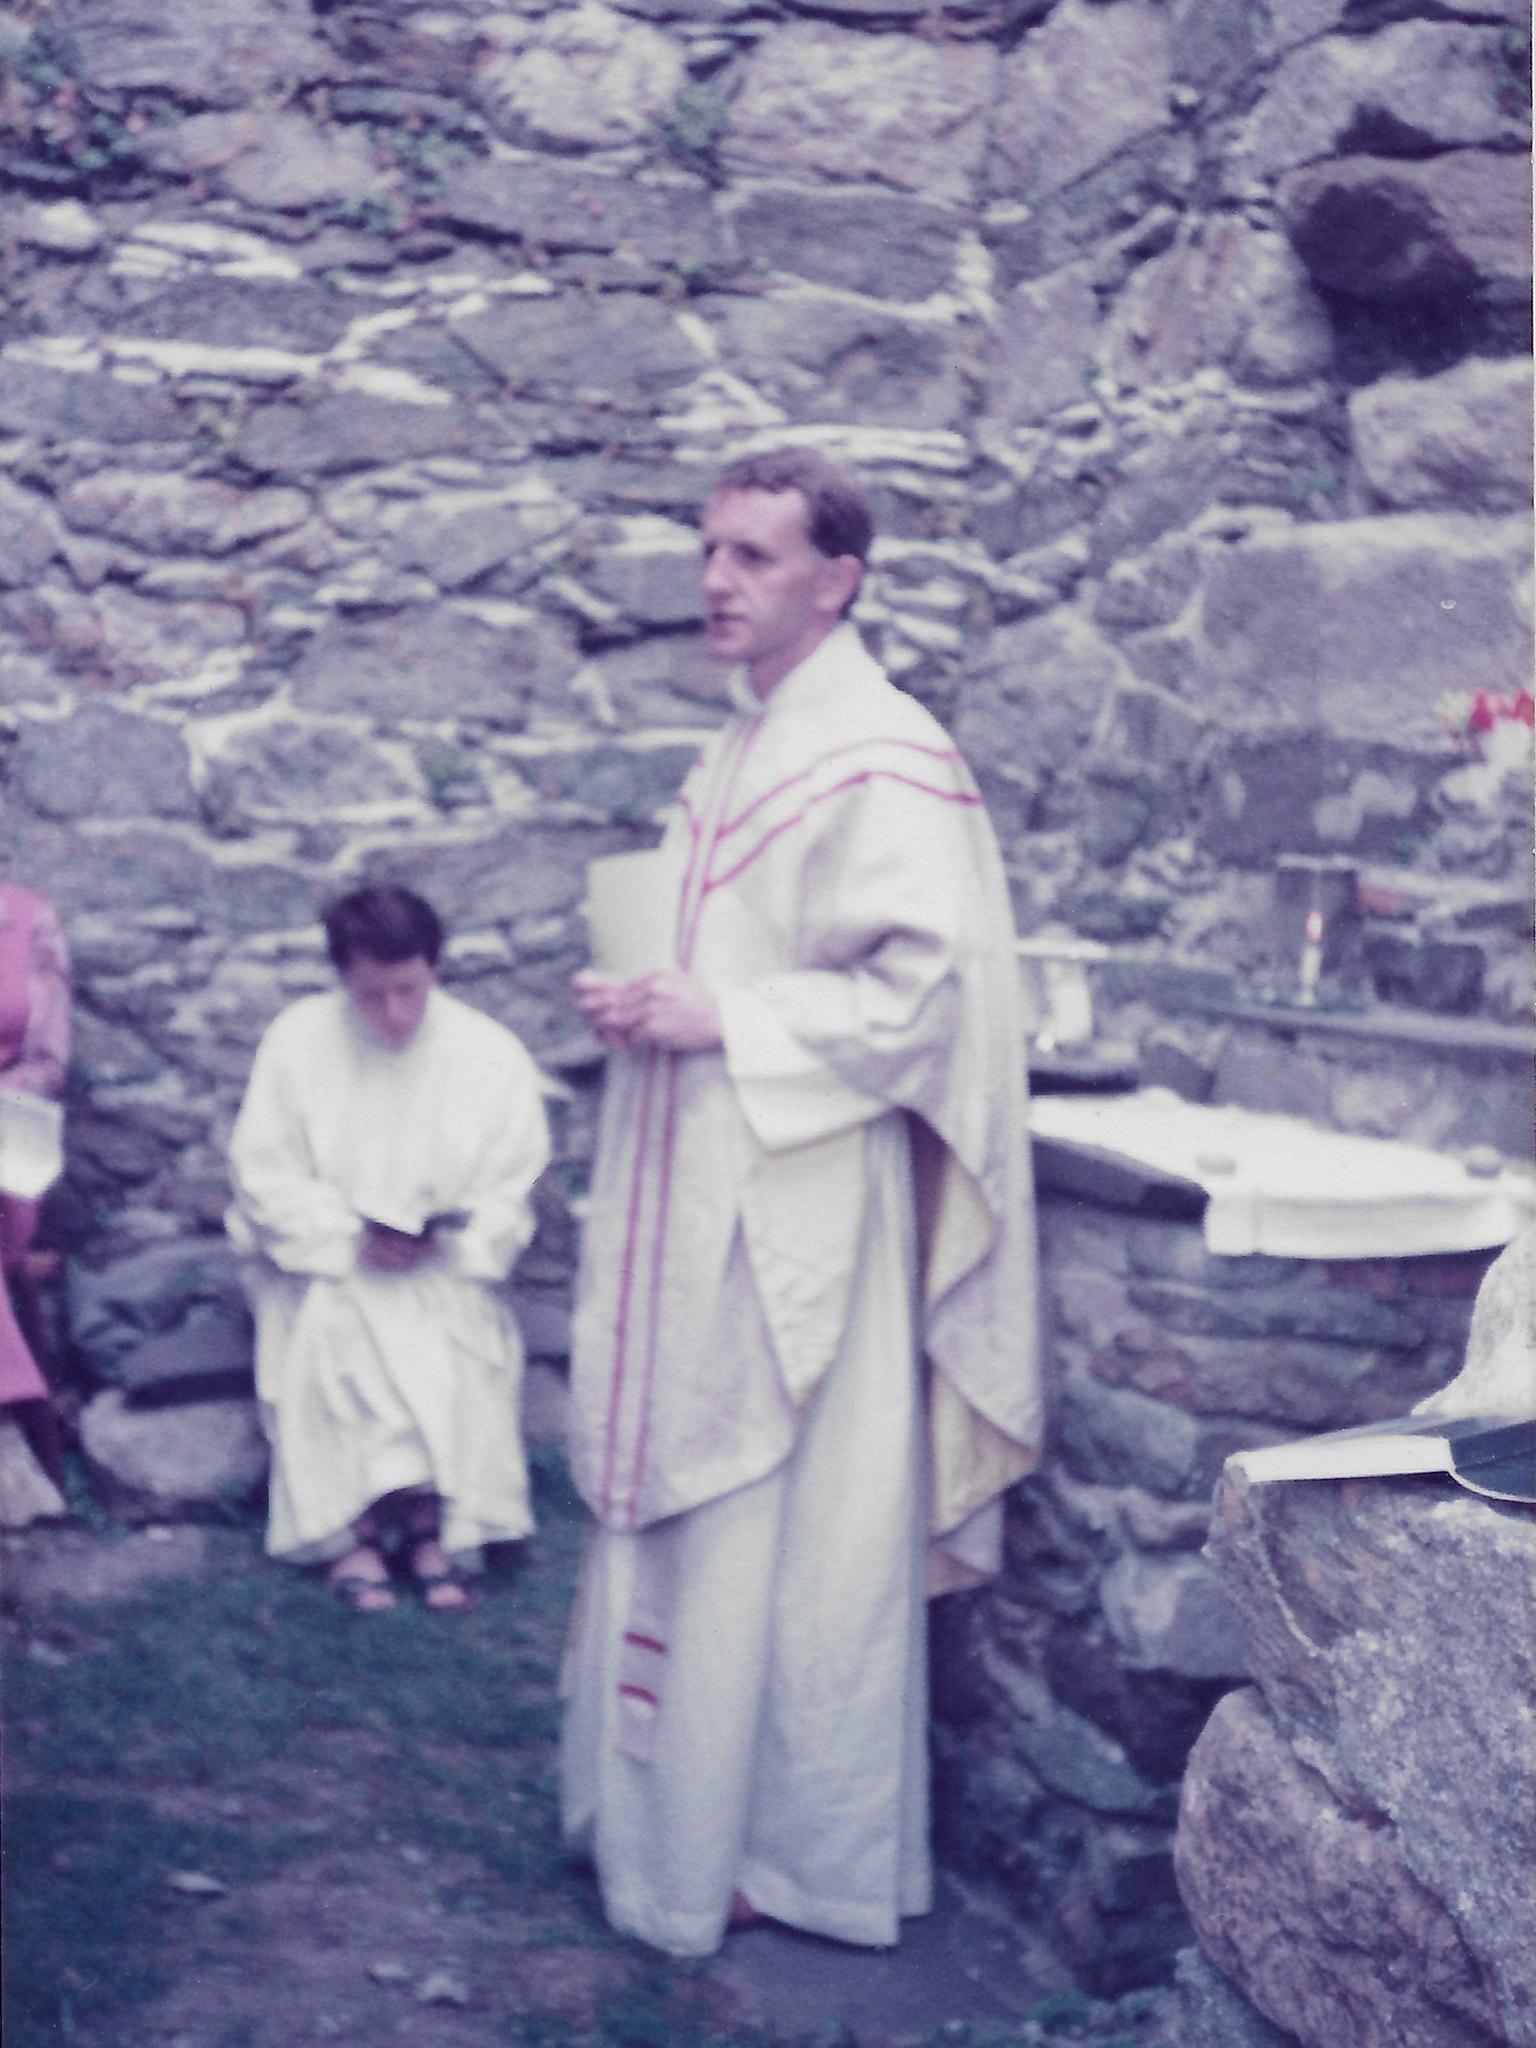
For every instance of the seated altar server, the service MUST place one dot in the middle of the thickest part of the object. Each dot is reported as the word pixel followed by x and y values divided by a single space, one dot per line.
pixel 383 1162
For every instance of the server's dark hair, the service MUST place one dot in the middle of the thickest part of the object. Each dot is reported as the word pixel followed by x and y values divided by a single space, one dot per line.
pixel 384 922
pixel 839 520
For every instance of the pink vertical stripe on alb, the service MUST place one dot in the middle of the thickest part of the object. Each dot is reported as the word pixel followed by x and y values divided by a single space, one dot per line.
pixel 626 1287
pixel 619 1507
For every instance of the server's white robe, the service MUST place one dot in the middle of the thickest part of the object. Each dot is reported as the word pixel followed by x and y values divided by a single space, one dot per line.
pixel 369 1381
pixel 787 1371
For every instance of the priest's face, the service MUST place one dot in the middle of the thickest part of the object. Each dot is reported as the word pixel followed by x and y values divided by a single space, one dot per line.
pixel 770 596
pixel 389 997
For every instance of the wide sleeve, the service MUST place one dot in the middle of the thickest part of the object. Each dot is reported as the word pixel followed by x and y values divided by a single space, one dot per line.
pixel 45 1045
pixel 284 1208
pixel 885 912
pixel 514 1154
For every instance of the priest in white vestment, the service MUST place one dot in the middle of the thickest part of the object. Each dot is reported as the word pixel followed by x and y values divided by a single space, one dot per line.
pixel 383 1163
pixel 804 1363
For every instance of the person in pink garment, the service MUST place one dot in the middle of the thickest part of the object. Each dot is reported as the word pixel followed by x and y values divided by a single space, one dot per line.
pixel 34 1052
pixel 804 1362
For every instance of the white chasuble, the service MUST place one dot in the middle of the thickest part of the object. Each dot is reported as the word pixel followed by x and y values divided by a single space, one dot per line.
pixel 838 888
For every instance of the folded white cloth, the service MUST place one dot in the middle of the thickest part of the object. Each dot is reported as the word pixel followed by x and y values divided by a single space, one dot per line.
pixel 1279 1185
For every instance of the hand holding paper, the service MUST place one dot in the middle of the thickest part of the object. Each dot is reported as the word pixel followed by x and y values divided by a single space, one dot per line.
pixel 668 1010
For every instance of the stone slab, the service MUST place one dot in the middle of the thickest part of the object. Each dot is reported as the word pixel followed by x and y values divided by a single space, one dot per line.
pixel 826 104
pixel 1459 440
pixel 1356 628
pixel 1392 229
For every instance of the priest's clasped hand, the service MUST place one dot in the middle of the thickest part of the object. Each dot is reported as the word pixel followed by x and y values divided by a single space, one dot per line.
pixel 668 1010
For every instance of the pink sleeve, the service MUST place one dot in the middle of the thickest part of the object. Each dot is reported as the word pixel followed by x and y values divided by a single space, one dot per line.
pixel 45 1048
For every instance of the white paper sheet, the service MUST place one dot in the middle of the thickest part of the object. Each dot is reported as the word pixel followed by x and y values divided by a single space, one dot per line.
pixel 31 1143
pixel 630 909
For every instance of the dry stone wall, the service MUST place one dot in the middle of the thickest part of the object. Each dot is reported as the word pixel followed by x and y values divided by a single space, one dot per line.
pixel 1068 1695
pixel 362 369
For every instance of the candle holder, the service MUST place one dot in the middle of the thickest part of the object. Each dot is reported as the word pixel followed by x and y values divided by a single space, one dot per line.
pixel 1316 941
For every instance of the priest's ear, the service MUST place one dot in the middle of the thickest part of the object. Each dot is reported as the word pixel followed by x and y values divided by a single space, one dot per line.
pixel 841 576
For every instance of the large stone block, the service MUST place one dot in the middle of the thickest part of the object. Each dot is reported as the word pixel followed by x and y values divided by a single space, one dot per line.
pixel 1291 1381
pixel 261 48
pixel 156 1463
pixel 114 1309
pixel 287 769
pixel 458 538
pixel 1127 1439
pixel 1358 628
pixel 433 663
pixel 663 680
pixel 1235 298
pixel 581 77
pixel 615 349
pixel 294 163
pixel 1412 87
pixel 1056 675
pixel 115 637
pixel 1461 440
pixel 105 763
pixel 29 536
pixel 214 311
pixel 626 785
pixel 343 430
pixel 1043 348
pixel 826 359
pixel 568 208
pixel 1090 81
pixel 651 574
pixel 86 405
pixel 870 241
pixel 826 103
pixel 176 514
pixel 1309 1908
pixel 1384 228
pixel 1286 23
pixel 1388 1628
pixel 1173 1614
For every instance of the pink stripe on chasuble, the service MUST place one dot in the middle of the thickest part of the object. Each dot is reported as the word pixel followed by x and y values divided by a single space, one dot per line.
pixel 948 796
pixel 836 754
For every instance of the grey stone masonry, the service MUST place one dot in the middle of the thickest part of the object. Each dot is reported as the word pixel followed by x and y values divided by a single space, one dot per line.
pixel 1069 1697
pixel 362 372
pixel 1357 1829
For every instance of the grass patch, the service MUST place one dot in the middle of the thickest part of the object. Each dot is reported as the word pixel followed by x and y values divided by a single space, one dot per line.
pixel 85 1893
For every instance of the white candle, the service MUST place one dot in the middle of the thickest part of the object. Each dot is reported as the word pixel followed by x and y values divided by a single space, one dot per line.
pixel 1311 957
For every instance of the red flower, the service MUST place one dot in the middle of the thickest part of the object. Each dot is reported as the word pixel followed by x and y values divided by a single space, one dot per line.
pixel 1488 709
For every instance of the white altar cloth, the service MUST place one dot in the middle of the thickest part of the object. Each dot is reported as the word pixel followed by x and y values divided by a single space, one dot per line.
pixel 1288 1188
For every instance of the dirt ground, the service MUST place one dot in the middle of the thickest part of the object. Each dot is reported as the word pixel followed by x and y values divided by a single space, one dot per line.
pixel 237 1817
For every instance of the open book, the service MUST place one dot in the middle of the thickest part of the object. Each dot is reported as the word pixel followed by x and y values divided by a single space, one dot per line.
pixel 1492 1454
